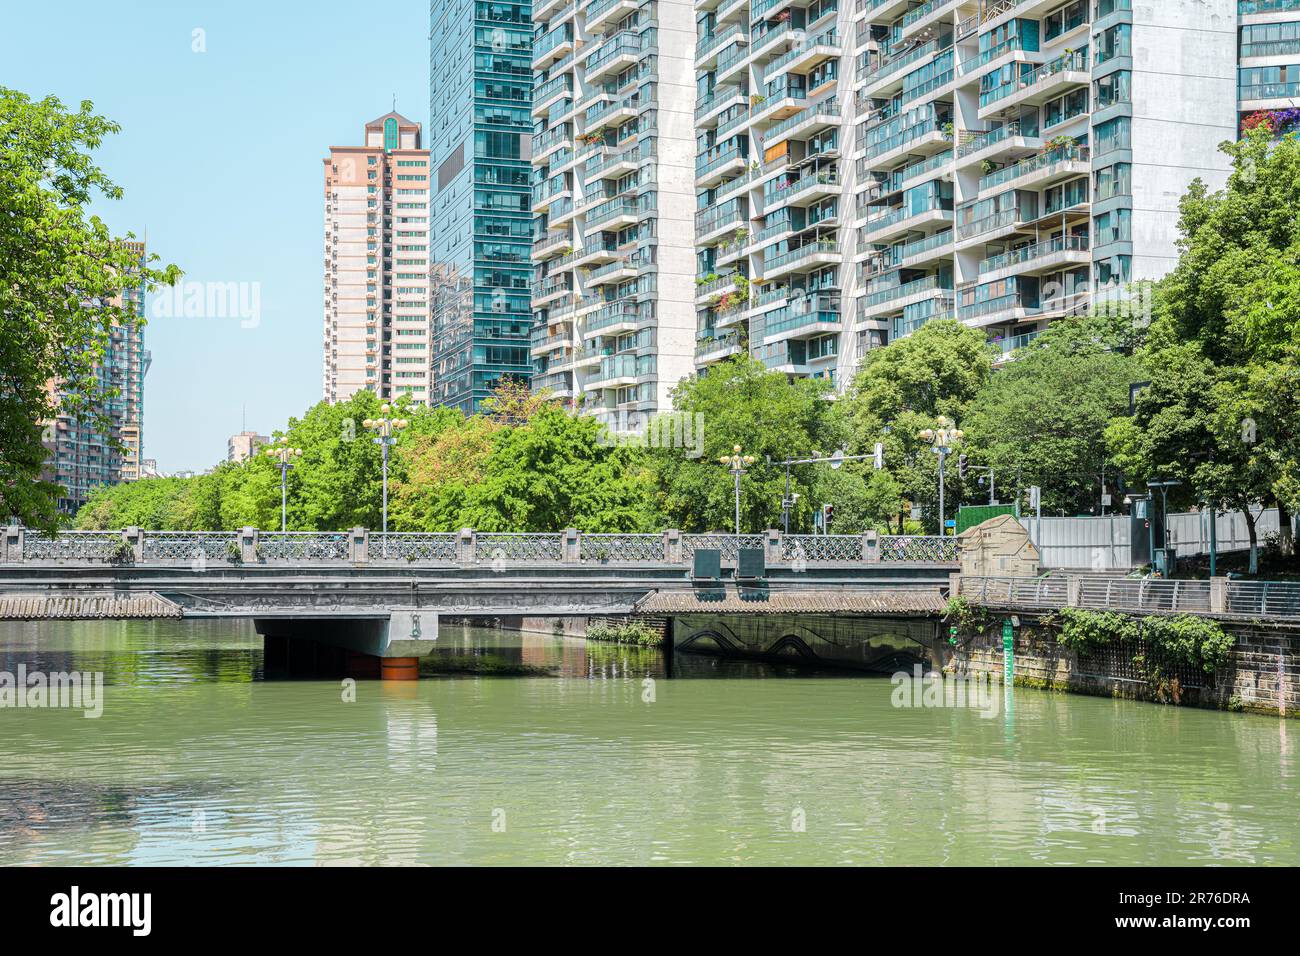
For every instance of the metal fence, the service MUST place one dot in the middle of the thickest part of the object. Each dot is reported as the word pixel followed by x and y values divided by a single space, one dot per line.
pixel 1266 600
pixel 460 548
pixel 1104 543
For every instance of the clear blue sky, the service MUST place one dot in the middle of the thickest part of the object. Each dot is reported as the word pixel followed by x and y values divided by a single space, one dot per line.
pixel 220 159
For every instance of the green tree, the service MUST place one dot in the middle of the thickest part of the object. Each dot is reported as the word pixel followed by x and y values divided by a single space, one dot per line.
pixel 1040 419
pixel 742 403
pixel 903 389
pixel 1223 349
pixel 61 271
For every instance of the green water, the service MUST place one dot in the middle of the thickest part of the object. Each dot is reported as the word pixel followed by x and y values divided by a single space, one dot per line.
pixel 581 760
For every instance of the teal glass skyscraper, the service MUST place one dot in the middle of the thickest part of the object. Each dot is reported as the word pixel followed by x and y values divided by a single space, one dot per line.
pixel 480 89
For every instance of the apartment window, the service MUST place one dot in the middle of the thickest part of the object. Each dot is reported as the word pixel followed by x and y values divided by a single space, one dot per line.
pixel 1113 42
pixel 390 134
pixel 1067 107
pixel 1065 19
pixel 1114 180
pixel 1113 89
pixel 1113 226
pixel 1113 134
pixel 1066 195
pixel 1113 271
pixel 1269 82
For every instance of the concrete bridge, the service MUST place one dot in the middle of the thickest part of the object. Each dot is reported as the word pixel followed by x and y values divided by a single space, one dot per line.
pixel 379 597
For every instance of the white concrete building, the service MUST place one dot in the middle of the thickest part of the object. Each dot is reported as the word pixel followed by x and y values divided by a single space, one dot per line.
pixel 866 166
pixel 613 196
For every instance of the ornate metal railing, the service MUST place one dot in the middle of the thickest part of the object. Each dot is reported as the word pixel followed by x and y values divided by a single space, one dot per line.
pixel 71 546
pixel 302 546
pixel 822 548
pixel 917 548
pixel 412 546
pixel 728 544
pixel 359 546
pixel 539 548
pixel 169 546
pixel 639 548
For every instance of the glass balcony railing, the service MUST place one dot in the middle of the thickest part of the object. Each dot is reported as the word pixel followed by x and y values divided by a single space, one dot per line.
pixel 906 289
pixel 1044 160
pixel 802 253
pixel 803 313
pixel 895 255
pixel 1036 250
pixel 974 143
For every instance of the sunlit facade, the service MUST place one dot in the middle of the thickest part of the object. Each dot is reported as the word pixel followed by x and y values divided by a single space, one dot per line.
pixel 480 82
pixel 612 197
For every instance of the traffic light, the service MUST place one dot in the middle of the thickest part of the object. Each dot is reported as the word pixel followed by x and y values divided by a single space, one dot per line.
pixel 828 512
pixel 962 465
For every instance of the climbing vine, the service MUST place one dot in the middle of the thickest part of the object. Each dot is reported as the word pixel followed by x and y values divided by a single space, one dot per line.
pixel 965 615
pixel 1181 639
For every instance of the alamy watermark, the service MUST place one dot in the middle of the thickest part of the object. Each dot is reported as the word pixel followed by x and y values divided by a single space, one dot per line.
pixel 683 430
pixel 972 691
pixel 70 690
pixel 210 300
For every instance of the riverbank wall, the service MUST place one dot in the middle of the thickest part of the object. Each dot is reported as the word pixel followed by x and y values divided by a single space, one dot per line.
pixel 1262 674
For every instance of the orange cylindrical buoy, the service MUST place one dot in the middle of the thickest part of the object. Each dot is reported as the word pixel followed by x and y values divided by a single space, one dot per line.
pixel 400 668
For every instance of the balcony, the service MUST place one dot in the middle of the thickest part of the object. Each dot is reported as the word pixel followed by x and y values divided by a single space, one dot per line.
pixel 804 56
pixel 881 75
pixel 818 253
pixel 1050 80
pixel 1009 138
pixel 708 48
pixel 714 165
pixel 709 286
pixel 619 51
pixel 926 137
pixel 606 11
pixel 824 114
pixel 1007 346
pixel 550 92
pixel 551 288
pixel 803 318
pixel 1045 256
pixel 552 46
pixel 715 349
pixel 926 15
pixel 713 223
pixel 813 185
pixel 615 271
pixel 1045 169
pixel 990 227
pixel 905 219
pixel 1013 307
pixel 619 370
pixel 610 165
pixel 620 316
pixel 613 214
pixel 938 246
pixel 895 298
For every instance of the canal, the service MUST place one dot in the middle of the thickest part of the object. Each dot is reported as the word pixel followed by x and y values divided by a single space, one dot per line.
pixel 534 749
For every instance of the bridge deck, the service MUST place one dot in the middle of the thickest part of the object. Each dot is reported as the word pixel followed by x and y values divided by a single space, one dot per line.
pixel 893 602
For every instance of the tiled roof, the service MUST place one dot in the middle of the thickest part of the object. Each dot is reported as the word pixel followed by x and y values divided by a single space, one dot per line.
pixel 763 601
pixel 33 607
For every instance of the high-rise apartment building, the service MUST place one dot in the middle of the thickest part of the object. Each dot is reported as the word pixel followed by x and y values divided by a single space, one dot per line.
pixel 613 194
pixel 377 329
pixel 83 457
pixel 866 166
pixel 480 81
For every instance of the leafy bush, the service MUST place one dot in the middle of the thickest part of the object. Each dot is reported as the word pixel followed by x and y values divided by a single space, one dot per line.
pixel 629 632
pixel 1180 639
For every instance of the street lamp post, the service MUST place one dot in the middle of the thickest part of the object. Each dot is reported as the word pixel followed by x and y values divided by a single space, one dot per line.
pixel 282 453
pixel 737 463
pixel 387 429
pixel 941 442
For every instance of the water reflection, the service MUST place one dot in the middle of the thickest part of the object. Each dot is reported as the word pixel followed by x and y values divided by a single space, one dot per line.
pixel 539 749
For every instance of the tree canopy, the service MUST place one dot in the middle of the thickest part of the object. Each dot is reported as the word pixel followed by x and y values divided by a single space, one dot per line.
pixel 61 271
